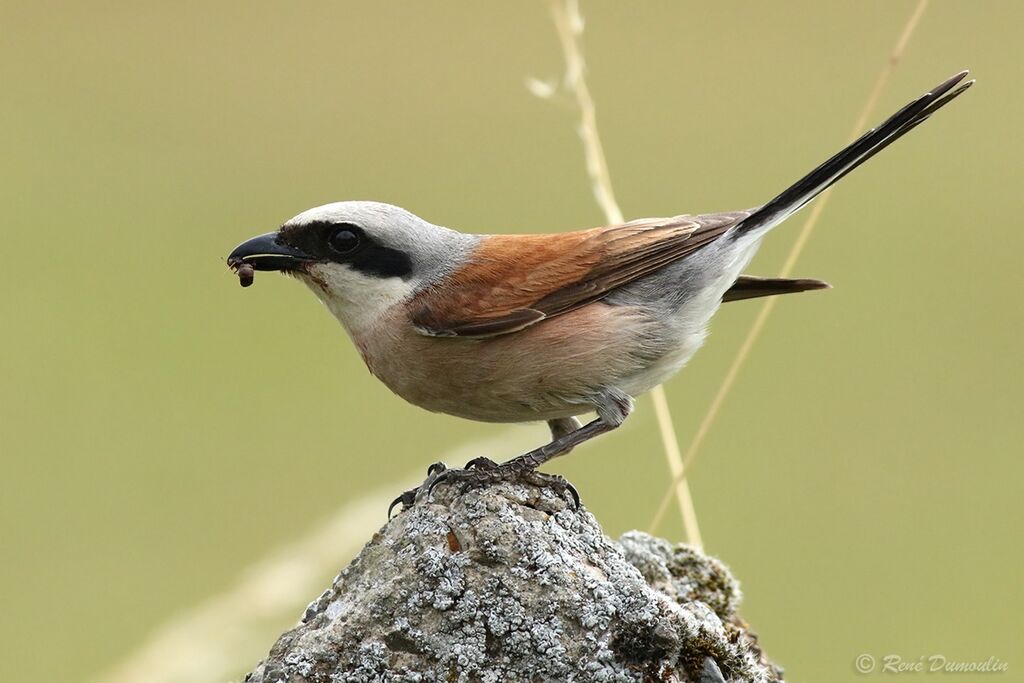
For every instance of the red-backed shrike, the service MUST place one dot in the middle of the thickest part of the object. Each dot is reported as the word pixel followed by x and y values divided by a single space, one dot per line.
pixel 517 328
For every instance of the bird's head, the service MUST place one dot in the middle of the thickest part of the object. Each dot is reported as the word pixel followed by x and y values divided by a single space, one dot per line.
pixel 360 258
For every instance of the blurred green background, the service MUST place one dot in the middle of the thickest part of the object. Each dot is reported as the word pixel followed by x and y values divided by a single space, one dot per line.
pixel 161 429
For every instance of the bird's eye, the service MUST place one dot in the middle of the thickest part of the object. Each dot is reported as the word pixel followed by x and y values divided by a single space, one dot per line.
pixel 344 239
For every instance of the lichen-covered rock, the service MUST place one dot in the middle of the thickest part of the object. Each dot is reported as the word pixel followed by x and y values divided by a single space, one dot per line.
pixel 509 583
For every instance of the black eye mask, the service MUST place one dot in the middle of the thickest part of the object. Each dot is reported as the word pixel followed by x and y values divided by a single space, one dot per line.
pixel 349 244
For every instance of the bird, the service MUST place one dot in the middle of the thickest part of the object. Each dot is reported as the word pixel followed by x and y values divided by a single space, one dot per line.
pixel 509 328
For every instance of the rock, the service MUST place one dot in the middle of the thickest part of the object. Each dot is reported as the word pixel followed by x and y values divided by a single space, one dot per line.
pixel 510 583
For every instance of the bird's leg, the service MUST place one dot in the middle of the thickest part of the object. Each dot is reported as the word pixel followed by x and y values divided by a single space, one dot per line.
pixel 560 446
pixel 560 426
pixel 613 407
pixel 563 425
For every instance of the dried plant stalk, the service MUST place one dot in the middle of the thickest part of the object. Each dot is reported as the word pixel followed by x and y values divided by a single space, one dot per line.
pixel 569 25
pixel 798 246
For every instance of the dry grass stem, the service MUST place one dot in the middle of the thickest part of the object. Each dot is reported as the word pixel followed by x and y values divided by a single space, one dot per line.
pixel 794 254
pixel 569 24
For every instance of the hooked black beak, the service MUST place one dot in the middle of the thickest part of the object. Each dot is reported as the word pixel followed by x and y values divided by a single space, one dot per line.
pixel 266 252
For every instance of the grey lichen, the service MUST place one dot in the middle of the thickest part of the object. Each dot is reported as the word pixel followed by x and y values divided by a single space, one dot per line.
pixel 509 583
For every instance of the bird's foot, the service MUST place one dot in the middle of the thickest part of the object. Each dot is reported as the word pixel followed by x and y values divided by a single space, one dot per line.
pixel 408 498
pixel 480 472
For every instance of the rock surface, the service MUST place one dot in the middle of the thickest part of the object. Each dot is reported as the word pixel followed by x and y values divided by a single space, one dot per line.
pixel 510 583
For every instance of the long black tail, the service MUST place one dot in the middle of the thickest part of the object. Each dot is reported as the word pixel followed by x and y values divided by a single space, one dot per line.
pixel 865 147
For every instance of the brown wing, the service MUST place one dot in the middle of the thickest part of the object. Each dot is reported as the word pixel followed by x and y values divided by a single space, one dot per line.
pixel 517 280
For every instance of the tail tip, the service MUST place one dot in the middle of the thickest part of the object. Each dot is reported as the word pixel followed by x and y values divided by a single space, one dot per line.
pixel 815 284
pixel 952 81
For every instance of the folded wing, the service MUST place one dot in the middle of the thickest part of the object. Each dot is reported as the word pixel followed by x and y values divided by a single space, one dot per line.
pixel 515 281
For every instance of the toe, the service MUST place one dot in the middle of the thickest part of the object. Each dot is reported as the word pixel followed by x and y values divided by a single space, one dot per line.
pixel 575 495
pixel 481 463
pixel 406 498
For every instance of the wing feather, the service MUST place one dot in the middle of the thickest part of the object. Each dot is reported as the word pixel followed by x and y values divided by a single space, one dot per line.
pixel 514 281
pixel 751 287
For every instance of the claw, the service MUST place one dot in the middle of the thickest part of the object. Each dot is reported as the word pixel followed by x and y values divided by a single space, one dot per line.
pixel 481 463
pixel 406 498
pixel 437 480
pixel 483 471
pixel 483 474
pixel 395 502
pixel 482 466
pixel 560 484
pixel 575 495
